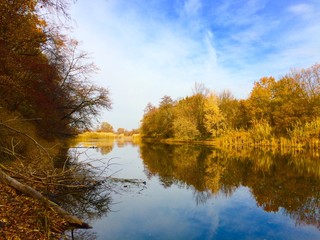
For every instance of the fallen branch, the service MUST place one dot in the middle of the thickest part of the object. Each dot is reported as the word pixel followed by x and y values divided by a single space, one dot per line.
pixel 72 220
pixel 26 135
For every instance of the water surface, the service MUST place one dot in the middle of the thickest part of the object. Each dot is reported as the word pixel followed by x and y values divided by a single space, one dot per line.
pixel 198 192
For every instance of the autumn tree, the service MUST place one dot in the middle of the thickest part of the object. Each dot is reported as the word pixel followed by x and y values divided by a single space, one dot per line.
pixel 197 102
pixel 43 75
pixel 309 81
pixel 121 131
pixel 21 36
pixel 260 99
pixel 189 121
pixel 158 121
pixel 274 108
pixel 148 125
pixel 79 99
pixel 105 127
pixel 284 103
pixel 229 107
pixel 185 122
pixel 289 106
pixel 242 119
pixel 44 84
pixel 165 117
pixel 214 120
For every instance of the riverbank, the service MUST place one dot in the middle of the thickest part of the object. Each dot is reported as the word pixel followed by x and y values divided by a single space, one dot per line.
pixel 243 140
pixel 31 169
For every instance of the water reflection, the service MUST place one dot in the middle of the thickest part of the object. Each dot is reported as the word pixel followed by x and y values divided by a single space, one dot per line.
pixel 278 180
pixel 205 191
pixel 103 146
pixel 88 161
pixel 83 191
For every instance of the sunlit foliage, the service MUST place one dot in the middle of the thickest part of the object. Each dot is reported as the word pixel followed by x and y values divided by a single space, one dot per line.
pixel 214 121
pixel 277 112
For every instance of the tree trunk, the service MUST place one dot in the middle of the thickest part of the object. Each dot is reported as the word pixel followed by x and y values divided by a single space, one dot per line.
pixel 72 220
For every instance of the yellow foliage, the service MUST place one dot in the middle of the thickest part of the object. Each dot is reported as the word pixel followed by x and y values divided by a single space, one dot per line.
pixel 96 135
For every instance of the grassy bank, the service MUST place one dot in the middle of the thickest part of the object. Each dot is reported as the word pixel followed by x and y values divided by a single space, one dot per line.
pixel 302 136
pixel 92 136
pixel 242 140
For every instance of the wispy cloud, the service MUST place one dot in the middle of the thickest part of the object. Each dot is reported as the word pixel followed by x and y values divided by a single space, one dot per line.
pixel 239 13
pixel 301 9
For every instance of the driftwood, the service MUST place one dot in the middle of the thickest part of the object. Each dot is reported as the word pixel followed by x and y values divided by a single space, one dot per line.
pixel 132 181
pixel 31 192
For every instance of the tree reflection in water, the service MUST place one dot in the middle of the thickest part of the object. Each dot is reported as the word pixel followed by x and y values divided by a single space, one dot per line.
pixel 286 181
pixel 279 180
pixel 91 199
pixel 94 200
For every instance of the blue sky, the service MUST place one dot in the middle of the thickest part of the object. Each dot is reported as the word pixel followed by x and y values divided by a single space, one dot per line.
pixel 146 49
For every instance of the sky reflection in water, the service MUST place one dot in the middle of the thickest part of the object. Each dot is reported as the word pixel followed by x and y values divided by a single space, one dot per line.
pixel 181 199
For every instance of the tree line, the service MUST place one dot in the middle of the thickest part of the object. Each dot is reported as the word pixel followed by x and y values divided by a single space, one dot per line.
pixel 288 107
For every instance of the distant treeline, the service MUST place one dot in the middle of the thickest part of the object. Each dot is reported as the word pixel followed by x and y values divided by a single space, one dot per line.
pixel 283 112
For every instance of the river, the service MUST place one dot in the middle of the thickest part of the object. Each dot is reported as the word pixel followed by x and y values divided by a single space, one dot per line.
pixel 198 192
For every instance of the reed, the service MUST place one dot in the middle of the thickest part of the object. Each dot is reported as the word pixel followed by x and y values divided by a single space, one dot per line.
pixel 96 135
pixel 260 135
